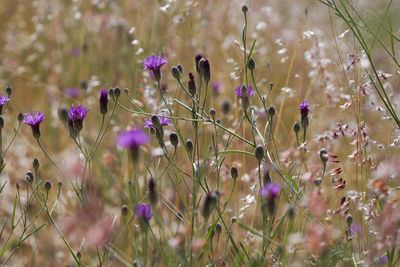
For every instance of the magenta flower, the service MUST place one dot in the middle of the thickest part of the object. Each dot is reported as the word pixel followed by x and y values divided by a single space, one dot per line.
pixel 148 123
pixel 143 212
pixel 270 191
pixel 3 100
pixel 154 62
pixel 76 115
pixel 34 121
pixel 247 93
pixel 133 138
pixel 72 92
pixel 304 109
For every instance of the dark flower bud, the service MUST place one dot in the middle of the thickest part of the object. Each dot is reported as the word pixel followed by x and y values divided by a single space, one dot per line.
pixel 1 122
pixel 20 117
pixel 192 84
pixel 176 73
pixel 218 228
pixel 208 205
pixel 317 182
pixel 47 186
pixel 124 210
pixel 226 106
pixel 189 145
pixel 291 211
pixel 35 164
pixel 233 219
pixel 206 70
pixel 29 177
pixel 117 91
pixel 126 91
pixel 9 91
pixel 180 68
pixel 213 231
pixel 218 121
pixel 103 102
pixel 296 127
pixel 245 9
pixel 17 185
pixel 173 138
pixel 271 111
pixel 349 220
pixel 271 84
pixel 201 65
pixel 213 112
pixel 259 153
pixel 111 92
pixel 197 59
pixel 63 114
pixel 84 84
pixel 251 64
pixel 323 155
pixel 151 184
pixel 234 172
pixel 72 132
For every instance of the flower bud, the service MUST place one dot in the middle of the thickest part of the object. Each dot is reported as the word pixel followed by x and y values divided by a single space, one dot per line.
pixel 35 164
pixel 103 102
pixel 124 210
pixel 245 9
pixel 251 64
pixel 1 122
pixel 151 184
pixel 191 84
pixel 349 220
pixel 197 60
pixel 117 91
pixel 180 68
pixel 63 114
pixel 291 211
pixel 218 228
pixel 173 138
pixel 323 155
pixel 84 84
pixel 226 106
pixel 29 177
pixel 189 145
pixel 213 112
pixel 20 117
pixel 206 70
pixel 259 153
pixel 271 111
pixel 9 91
pixel 176 73
pixel 111 92
pixel 296 127
pixel 234 172
pixel 47 186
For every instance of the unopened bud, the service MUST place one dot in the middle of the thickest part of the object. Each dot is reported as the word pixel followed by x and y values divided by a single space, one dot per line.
pixel 176 73
pixel 234 172
pixel 251 64
pixel 259 153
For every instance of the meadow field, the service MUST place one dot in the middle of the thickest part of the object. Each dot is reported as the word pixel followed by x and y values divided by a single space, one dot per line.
pixel 199 133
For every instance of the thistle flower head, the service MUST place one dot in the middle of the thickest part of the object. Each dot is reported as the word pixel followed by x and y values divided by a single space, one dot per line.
pixel 270 191
pixel 78 113
pixel 143 212
pixel 34 119
pixel 154 62
pixel 133 138
pixel 248 92
pixel 3 100
pixel 304 108
pixel 148 123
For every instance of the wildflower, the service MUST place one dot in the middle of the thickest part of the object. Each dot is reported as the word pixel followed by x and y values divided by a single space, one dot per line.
pixel 143 213
pixel 192 84
pixel 47 186
pixel 3 99
pixel 76 115
pixel 163 121
pixel 197 59
pixel 176 73
pixel 173 138
pixel 34 121
pixel 304 109
pixel 242 91
pixel 269 193
pixel 103 99
pixel 217 88
pixel 206 70
pixel 154 63
pixel 189 146
pixel 132 140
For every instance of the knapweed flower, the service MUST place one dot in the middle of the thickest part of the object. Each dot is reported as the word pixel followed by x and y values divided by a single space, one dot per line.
pixel 76 115
pixel 304 109
pixel 133 139
pixel 163 121
pixel 3 100
pixel 242 91
pixel 269 193
pixel 34 121
pixel 154 63
pixel 217 88
pixel 143 213
pixel 103 99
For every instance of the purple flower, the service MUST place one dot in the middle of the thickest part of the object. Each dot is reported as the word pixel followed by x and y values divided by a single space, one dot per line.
pixel 304 109
pixel 143 212
pixel 154 63
pixel 133 138
pixel 150 124
pixel 103 99
pixel 76 115
pixel 270 191
pixel 3 100
pixel 247 93
pixel 217 87
pixel 72 92
pixel 34 121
